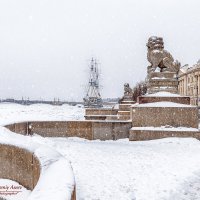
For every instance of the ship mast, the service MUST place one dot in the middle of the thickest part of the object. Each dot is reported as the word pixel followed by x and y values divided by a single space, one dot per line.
pixel 93 97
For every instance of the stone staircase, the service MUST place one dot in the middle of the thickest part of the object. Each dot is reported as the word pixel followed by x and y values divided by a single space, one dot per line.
pixel 124 112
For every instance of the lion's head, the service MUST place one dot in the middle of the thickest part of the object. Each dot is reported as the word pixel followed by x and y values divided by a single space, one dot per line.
pixel 155 42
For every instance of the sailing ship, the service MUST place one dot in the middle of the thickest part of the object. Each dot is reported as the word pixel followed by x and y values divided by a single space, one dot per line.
pixel 93 97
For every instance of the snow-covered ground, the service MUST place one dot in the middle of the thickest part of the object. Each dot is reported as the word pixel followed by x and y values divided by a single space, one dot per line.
pixel 166 169
pixel 10 113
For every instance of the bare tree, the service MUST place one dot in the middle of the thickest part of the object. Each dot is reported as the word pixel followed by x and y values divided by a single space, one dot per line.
pixel 139 90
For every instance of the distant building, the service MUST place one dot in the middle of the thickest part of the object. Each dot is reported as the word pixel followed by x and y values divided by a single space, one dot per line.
pixel 189 82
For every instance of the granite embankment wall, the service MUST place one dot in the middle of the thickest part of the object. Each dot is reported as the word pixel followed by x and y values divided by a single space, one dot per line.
pixel 19 165
pixel 90 130
pixel 101 111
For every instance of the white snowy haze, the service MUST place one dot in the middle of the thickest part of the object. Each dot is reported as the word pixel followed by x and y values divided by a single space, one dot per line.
pixel 45 45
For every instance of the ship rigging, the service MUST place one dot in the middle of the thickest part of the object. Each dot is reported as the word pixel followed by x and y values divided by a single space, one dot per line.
pixel 93 98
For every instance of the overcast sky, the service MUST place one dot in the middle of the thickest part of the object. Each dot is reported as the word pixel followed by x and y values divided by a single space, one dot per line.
pixel 46 45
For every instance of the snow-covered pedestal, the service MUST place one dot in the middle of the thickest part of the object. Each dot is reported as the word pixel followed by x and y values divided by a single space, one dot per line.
pixel 162 81
pixel 163 119
pixel 163 96
pixel 162 112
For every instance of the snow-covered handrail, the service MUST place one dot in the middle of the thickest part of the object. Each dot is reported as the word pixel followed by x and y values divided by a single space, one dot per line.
pixel 51 174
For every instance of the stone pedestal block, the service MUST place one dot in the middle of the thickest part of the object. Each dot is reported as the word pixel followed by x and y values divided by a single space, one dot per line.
pixel 162 75
pixel 151 99
pixel 165 81
pixel 164 113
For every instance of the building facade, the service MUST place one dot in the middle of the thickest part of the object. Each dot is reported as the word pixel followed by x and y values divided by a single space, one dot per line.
pixel 189 83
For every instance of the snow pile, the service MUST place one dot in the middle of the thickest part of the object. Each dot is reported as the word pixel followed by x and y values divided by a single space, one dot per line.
pixel 56 178
pixel 11 113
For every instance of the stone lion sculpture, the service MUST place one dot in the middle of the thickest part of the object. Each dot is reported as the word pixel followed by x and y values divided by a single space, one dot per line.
pixel 158 57
pixel 127 90
pixel 128 93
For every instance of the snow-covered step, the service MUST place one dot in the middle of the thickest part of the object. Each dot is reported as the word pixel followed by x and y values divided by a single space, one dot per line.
pixel 127 102
pixel 124 117
pixel 125 107
pixel 123 112
pixel 151 133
